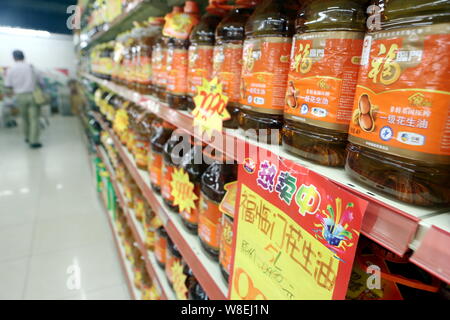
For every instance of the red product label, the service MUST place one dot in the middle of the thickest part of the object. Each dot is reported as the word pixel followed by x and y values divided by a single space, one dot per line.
pixel 166 188
pixel 228 68
pixel 160 248
pixel 209 221
pixel 265 73
pixel 177 66
pixel 200 66
pixel 155 169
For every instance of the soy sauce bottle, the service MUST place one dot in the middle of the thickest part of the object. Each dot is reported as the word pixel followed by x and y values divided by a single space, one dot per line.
pixel 161 246
pixel 172 256
pixel 171 161
pixel 159 61
pixel 201 50
pixel 192 165
pixel 213 182
pixel 322 79
pixel 267 48
pixel 162 131
pixel 230 35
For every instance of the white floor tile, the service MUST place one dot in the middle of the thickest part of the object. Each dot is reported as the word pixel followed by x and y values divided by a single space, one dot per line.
pixel 15 241
pixel 70 231
pixel 50 276
pixel 51 218
pixel 12 279
pixel 110 293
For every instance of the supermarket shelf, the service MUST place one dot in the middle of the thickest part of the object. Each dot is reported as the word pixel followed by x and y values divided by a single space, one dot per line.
pixel 125 264
pixel 124 22
pixel 431 246
pixel 205 269
pixel 153 269
pixel 390 223
pixel 157 272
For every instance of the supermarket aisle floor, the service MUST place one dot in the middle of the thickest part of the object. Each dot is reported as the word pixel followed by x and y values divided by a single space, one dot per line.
pixel 52 224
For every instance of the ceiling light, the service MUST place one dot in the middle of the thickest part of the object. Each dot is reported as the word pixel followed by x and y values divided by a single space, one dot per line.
pixel 24 32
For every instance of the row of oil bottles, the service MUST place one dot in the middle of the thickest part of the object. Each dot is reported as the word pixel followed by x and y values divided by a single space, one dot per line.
pixel 151 143
pixel 167 256
pixel 99 15
pixel 376 101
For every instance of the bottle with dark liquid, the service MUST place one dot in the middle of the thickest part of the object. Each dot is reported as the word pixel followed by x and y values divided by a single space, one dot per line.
pixel 177 55
pixel 201 50
pixel 267 48
pixel 213 182
pixel 322 79
pixel 161 246
pixel 171 161
pixel 227 66
pixel 399 131
pixel 194 169
pixel 162 131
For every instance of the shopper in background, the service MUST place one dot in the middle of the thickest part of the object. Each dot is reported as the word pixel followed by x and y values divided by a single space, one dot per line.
pixel 22 79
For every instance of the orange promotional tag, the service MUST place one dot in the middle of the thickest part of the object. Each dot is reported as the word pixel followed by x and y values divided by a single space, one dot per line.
pixel 183 191
pixel 210 107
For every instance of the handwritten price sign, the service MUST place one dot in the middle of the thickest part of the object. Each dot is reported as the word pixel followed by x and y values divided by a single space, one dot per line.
pixel 296 234
pixel 210 107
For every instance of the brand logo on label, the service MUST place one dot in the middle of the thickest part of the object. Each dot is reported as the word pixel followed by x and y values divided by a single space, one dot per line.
pixel 249 165
pixel 419 100
pixel 384 67
pixel 302 62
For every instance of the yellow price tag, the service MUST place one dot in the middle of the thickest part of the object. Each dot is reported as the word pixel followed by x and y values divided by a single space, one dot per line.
pixel 183 191
pixel 179 279
pixel 210 107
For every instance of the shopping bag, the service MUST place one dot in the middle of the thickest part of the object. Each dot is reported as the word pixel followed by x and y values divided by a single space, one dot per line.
pixel 39 96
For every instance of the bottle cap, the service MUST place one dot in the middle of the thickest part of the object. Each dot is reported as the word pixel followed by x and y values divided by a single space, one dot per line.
pixel 177 9
pixel 191 7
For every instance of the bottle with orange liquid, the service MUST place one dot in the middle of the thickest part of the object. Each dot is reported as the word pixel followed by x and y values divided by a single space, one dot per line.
pixel 230 34
pixel 267 48
pixel 399 134
pixel 177 29
pixel 322 79
pixel 201 49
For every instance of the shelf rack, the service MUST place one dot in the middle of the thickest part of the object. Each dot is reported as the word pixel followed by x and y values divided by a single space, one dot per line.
pixel 205 269
pixel 139 12
pixel 135 293
pixel 155 272
pixel 394 225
